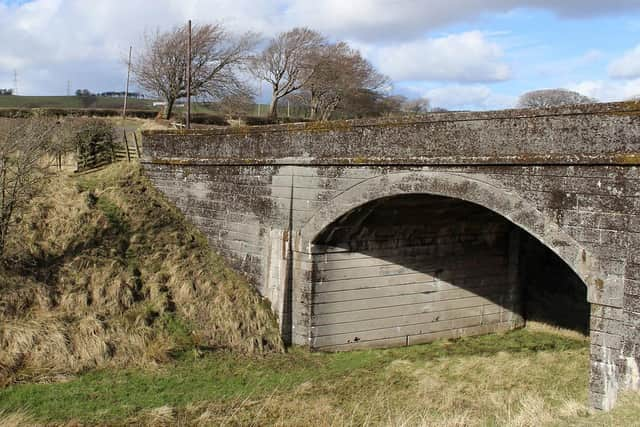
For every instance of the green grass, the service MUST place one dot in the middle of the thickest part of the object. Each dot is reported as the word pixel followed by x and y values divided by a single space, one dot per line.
pixel 224 379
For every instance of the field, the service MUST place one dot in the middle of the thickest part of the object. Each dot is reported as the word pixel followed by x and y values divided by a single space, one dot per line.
pixel 115 103
pixel 70 102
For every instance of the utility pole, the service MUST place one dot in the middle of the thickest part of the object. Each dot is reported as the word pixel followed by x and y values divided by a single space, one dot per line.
pixel 15 82
pixel 68 87
pixel 126 90
pixel 259 97
pixel 189 79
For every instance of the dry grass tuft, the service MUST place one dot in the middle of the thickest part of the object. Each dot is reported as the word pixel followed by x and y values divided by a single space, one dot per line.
pixel 566 333
pixel 16 419
pixel 107 273
pixel 161 417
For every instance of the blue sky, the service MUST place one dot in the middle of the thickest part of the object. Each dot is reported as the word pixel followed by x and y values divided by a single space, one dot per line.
pixel 462 54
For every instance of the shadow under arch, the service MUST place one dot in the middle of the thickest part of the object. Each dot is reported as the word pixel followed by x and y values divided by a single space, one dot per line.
pixel 468 188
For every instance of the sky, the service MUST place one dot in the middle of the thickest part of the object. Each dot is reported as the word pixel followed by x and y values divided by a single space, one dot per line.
pixel 461 54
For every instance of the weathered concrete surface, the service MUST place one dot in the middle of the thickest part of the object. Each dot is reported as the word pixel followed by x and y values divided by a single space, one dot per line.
pixel 569 177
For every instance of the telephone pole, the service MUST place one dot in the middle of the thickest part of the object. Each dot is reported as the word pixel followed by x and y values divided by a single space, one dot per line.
pixel 15 82
pixel 68 87
pixel 126 89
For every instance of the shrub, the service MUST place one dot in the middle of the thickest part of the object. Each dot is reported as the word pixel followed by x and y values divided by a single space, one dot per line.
pixel 259 121
pixel 94 140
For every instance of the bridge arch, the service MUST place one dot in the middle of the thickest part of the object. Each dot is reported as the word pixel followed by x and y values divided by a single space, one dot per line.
pixel 504 202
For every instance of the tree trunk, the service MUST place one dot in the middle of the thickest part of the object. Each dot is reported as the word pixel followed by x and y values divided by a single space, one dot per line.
pixel 314 104
pixel 169 108
pixel 273 107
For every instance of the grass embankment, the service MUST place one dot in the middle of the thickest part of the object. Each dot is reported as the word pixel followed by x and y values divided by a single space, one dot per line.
pixel 106 273
pixel 522 378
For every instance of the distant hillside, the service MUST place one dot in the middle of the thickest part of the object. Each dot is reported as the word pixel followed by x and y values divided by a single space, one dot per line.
pixel 72 102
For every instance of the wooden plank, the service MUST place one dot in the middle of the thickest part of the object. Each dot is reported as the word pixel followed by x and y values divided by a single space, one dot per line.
pixel 378 292
pixel 319 319
pixel 419 339
pixel 422 277
pixel 367 304
pixel 324 254
pixel 367 283
pixel 361 345
pixel 370 272
pixel 409 288
pixel 400 320
pixel 409 268
pixel 430 257
pixel 393 332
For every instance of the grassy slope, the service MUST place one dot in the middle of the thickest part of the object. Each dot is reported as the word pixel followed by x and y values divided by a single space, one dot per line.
pixel 522 378
pixel 107 273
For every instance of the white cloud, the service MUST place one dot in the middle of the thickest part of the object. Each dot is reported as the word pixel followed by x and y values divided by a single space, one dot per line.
pixel 465 57
pixel 607 91
pixel 387 19
pixel 628 66
pixel 85 41
pixel 464 97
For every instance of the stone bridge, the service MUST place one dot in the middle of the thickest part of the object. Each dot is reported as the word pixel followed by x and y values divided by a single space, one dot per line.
pixel 381 233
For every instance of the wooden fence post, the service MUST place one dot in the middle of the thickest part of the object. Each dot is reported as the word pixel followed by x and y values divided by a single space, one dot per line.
pixel 135 139
pixel 126 144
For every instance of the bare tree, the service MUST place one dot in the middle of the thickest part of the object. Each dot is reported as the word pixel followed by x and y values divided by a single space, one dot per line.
pixel 23 145
pixel 217 59
pixel 552 98
pixel 61 141
pixel 236 105
pixel 286 63
pixel 370 103
pixel 340 72
pixel 416 106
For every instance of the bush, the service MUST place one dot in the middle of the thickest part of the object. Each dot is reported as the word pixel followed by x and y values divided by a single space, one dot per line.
pixel 262 121
pixel 94 137
pixel 259 121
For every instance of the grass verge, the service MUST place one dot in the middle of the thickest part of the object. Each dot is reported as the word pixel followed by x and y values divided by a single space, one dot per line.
pixel 520 378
